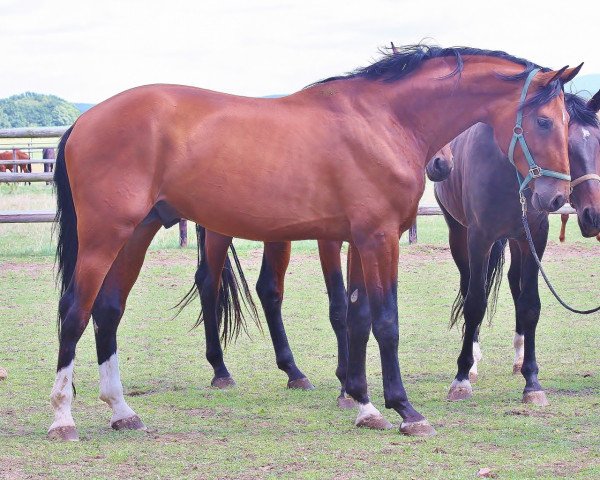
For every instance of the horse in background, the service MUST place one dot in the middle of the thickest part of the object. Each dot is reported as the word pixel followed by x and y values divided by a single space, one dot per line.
pixel 564 218
pixel 270 288
pixel 9 155
pixel 482 209
pixel 48 153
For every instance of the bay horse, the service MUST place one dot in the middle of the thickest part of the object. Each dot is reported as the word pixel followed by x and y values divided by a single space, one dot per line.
pixel 342 159
pixel 20 155
pixel 270 288
pixel 482 209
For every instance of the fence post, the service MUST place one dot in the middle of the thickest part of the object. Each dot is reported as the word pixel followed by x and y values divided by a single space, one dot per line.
pixel 412 233
pixel 183 233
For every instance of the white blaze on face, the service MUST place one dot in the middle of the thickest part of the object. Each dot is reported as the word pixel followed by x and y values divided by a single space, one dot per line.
pixel 564 116
pixel 61 398
pixel 111 389
pixel 518 343
pixel 585 132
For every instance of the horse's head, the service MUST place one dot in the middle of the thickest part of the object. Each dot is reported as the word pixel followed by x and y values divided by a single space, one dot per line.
pixel 584 154
pixel 440 165
pixel 533 132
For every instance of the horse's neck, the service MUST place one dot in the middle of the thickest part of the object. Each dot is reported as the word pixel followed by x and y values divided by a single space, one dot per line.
pixel 437 109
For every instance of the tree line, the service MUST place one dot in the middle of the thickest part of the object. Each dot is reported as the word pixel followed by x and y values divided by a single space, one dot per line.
pixel 36 110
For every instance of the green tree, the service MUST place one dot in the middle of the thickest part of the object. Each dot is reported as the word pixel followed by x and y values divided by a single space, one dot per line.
pixel 36 110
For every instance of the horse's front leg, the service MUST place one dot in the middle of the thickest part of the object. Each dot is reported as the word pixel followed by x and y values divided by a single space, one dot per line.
pixel 528 313
pixel 379 259
pixel 329 253
pixel 270 288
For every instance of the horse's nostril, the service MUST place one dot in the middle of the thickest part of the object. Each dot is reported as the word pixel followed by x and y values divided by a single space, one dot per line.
pixel 589 218
pixel 558 202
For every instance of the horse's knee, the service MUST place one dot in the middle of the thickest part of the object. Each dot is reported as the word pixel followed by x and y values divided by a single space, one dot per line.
pixel 386 329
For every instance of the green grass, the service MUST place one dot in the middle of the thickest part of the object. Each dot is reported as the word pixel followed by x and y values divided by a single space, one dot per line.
pixel 262 430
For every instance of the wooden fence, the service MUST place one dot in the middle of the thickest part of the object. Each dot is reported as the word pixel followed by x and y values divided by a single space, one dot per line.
pixel 41 216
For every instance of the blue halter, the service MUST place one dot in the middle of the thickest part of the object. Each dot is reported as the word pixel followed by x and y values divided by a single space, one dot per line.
pixel 535 171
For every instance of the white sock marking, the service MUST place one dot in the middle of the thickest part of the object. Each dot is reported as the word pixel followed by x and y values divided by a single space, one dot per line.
pixel 365 411
pixel 518 343
pixel 61 398
pixel 477 356
pixel 462 384
pixel 111 389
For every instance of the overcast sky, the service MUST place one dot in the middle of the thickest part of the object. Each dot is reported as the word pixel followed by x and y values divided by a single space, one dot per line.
pixel 87 51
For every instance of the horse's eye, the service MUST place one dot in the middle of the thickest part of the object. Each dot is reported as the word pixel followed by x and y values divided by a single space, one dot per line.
pixel 544 123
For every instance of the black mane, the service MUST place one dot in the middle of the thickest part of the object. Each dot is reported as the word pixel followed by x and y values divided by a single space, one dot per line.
pixel 400 62
pixel 579 111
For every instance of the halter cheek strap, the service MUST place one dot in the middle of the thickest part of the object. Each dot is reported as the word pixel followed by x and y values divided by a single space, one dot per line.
pixel 535 171
pixel 583 178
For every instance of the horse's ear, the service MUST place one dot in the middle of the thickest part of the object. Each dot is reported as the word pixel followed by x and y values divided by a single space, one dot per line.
pixel 594 103
pixel 394 49
pixel 570 73
pixel 548 77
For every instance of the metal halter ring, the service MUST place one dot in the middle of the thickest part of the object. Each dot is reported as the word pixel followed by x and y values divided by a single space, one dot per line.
pixel 535 172
pixel 518 131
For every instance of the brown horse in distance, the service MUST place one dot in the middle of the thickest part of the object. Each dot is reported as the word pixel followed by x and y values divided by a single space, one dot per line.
pixel 20 155
pixel 342 159
pixel 564 218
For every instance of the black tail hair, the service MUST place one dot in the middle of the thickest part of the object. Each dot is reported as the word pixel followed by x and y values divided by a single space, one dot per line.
pixel 492 287
pixel 232 320
pixel 65 221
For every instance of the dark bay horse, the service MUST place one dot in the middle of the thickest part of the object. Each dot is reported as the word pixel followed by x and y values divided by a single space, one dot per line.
pixel 482 210
pixel 270 289
pixel 342 159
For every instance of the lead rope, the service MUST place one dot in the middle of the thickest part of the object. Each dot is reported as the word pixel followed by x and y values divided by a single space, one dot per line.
pixel 539 264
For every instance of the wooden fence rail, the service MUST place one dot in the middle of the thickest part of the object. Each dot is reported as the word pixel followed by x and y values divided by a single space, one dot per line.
pixel 46 216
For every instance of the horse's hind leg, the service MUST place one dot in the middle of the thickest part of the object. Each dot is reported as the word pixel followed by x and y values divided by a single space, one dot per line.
pixel 270 288
pixel 474 310
pixel 329 253
pixel 94 259
pixel 208 281
pixel 457 239
pixel 106 314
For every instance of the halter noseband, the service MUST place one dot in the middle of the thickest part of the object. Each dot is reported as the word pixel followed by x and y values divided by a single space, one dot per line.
pixel 583 178
pixel 535 171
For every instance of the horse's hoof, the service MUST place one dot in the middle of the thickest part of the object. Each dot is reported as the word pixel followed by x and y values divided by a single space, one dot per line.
pixel 346 403
pixel 300 384
pixel 460 391
pixel 129 423
pixel 517 368
pixel 64 434
pixel 472 377
pixel 422 428
pixel 536 397
pixel 3 374
pixel 223 382
pixel 374 422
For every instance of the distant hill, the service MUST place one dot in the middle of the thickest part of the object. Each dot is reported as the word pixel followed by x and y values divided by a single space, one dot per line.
pixel 36 110
pixel 586 84
pixel 83 107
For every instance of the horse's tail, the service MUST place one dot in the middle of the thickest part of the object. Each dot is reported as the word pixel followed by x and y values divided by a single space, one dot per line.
pixel 65 221
pixel 492 287
pixel 230 304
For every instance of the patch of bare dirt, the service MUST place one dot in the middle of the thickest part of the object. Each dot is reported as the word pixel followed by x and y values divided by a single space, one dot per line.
pixel 524 412
pixel 32 270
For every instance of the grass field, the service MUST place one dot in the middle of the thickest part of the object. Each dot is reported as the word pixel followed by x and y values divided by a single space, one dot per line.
pixel 262 430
